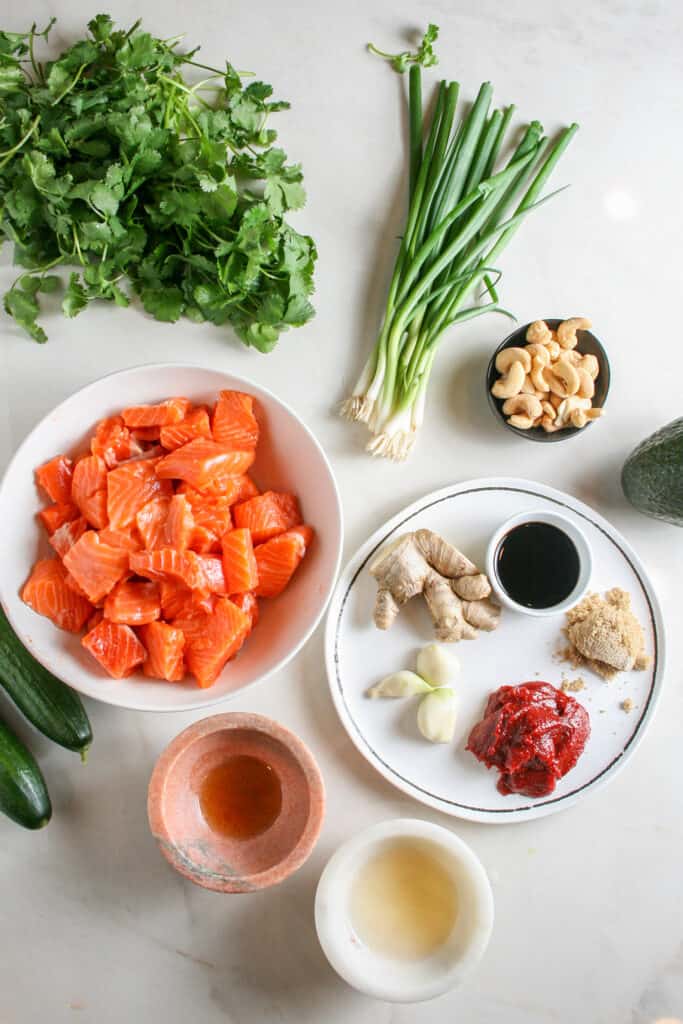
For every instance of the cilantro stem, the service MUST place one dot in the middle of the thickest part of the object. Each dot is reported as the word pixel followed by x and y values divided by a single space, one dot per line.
pixel 71 85
pixel 9 153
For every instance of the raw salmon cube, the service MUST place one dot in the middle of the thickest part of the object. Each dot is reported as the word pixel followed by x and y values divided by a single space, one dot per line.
pixel 151 521
pixel 164 646
pixel 113 442
pixel 116 647
pixel 127 538
pixel 133 603
pixel 129 487
pixel 267 515
pixel 239 563
pixel 167 562
pixel 95 566
pixel 200 461
pixel 195 424
pixel 173 410
pixel 144 435
pixel 279 558
pixel 213 569
pixel 179 526
pixel 248 604
pixel 55 478
pixel 211 512
pixel 56 515
pixel 176 600
pixel 67 534
pixel 204 541
pixel 89 489
pixel 47 593
pixel 234 424
pixel 211 640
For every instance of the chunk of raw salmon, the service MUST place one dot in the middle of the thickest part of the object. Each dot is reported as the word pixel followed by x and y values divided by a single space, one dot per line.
pixel 96 567
pixel 113 442
pixel 212 639
pixel 279 558
pixel 267 515
pixel 200 461
pixel 239 564
pixel 133 603
pixel 89 489
pixel 56 515
pixel 196 424
pixel 67 534
pixel 164 645
pixel 55 478
pixel 129 487
pixel 46 591
pixel 234 423
pixel 173 410
pixel 116 647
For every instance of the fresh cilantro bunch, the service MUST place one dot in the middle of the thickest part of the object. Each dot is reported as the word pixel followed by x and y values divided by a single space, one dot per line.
pixel 112 162
pixel 424 56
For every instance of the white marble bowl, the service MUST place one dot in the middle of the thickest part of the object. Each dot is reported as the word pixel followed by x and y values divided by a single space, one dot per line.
pixel 401 981
pixel 289 458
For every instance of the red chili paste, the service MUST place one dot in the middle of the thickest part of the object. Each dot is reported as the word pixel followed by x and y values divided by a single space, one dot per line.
pixel 533 734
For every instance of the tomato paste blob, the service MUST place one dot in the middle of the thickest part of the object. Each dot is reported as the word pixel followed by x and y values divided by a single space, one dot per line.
pixel 533 734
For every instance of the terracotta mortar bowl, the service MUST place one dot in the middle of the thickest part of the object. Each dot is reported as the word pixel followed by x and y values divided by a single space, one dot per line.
pixel 208 856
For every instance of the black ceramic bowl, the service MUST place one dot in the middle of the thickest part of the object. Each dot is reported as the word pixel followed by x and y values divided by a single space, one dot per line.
pixel 588 343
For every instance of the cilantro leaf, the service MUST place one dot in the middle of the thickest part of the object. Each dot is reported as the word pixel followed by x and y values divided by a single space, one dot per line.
pixel 424 55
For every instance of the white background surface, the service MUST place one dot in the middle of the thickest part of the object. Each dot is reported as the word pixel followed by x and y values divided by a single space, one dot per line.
pixel 95 926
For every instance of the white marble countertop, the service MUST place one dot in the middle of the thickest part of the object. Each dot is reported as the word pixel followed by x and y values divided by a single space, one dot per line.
pixel 95 925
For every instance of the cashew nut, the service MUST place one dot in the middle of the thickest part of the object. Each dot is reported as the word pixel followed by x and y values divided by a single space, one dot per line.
pixel 508 356
pixel 538 332
pixel 538 376
pixel 528 386
pixel 590 364
pixel 548 424
pixel 548 410
pixel 566 332
pixel 511 383
pixel 525 405
pixel 570 405
pixel 522 422
pixel 562 378
pixel 572 356
pixel 553 350
pixel 539 352
pixel 578 418
pixel 593 414
pixel 586 383
pixel 555 401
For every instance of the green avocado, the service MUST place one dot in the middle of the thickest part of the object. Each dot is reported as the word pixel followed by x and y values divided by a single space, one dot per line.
pixel 652 477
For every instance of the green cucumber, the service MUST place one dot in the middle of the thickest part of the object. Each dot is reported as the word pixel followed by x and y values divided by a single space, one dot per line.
pixel 23 794
pixel 53 708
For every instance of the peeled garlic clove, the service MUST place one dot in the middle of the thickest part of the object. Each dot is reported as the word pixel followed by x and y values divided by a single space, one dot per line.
pixel 400 684
pixel 437 665
pixel 436 715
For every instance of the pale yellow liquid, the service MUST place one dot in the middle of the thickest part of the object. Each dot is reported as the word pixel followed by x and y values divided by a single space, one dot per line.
pixel 404 902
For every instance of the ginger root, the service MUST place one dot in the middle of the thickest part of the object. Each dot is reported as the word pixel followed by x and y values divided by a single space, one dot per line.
pixel 456 593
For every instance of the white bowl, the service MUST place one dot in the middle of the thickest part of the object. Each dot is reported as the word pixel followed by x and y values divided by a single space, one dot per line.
pixel 288 458
pixel 572 531
pixel 398 981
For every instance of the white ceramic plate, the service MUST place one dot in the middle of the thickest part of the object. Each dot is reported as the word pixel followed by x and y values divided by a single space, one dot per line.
pixel 445 776
pixel 288 459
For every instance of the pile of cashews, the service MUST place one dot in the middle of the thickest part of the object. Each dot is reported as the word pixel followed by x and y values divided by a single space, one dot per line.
pixel 548 383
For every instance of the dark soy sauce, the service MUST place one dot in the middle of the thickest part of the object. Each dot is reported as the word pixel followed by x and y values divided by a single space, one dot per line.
pixel 538 565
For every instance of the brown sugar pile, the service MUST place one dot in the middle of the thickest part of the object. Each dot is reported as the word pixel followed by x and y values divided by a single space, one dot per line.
pixel 604 635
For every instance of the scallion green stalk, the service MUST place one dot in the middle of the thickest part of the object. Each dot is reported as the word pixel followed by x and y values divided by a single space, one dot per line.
pixel 458 223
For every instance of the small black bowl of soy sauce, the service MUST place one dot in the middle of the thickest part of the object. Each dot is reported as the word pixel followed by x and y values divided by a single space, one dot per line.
pixel 539 563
